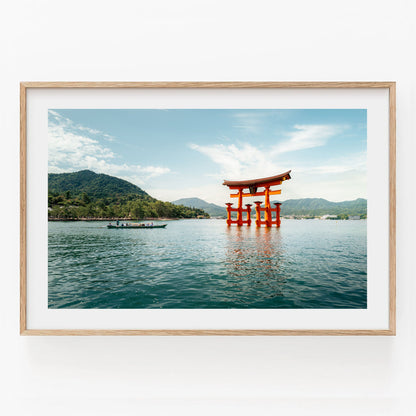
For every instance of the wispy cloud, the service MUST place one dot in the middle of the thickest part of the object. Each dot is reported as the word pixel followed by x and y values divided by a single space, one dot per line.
pixel 241 160
pixel 71 148
pixel 355 163
pixel 71 126
pixel 250 122
pixel 338 178
pixel 307 137
pixel 236 161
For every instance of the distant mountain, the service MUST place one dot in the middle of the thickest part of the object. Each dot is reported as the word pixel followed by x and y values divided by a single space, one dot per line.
pixel 212 209
pixel 320 206
pixel 96 185
pixel 304 207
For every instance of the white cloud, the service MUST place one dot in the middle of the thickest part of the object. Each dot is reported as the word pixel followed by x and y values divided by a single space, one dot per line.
pixel 306 137
pixel 69 125
pixel 245 161
pixel 340 178
pixel 70 149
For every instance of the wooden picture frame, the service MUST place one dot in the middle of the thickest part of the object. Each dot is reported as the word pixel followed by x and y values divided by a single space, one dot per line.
pixel 390 87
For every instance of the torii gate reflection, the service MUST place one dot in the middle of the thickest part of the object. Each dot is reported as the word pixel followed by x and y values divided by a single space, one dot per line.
pixel 252 185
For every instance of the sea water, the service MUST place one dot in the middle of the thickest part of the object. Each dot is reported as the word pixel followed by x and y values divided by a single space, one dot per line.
pixel 205 264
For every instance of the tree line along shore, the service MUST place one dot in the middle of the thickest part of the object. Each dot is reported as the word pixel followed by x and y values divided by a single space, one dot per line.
pixel 129 207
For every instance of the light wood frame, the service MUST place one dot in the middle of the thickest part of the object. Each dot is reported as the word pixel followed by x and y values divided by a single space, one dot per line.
pixel 391 86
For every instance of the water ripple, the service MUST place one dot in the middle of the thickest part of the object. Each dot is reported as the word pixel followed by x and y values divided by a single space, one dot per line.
pixel 205 264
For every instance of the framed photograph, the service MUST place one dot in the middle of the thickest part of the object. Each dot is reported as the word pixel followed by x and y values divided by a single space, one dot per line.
pixel 207 208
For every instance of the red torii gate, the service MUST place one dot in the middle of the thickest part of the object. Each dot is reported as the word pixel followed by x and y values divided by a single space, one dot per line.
pixel 252 186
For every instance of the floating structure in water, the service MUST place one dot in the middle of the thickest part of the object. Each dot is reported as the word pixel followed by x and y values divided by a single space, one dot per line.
pixel 252 185
pixel 135 226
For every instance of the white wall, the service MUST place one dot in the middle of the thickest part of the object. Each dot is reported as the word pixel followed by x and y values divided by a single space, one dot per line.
pixel 207 40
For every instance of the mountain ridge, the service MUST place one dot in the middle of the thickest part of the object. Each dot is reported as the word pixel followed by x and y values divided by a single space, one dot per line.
pixel 321 206
pixel 299 206
pixel 212 209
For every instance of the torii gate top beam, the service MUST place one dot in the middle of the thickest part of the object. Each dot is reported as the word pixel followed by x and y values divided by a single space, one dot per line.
pixel 270 181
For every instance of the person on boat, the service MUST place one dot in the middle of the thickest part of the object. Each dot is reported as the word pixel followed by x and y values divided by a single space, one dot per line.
pixel 117 222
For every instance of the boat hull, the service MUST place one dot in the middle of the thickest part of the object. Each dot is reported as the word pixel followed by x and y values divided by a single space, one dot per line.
pixel 136 227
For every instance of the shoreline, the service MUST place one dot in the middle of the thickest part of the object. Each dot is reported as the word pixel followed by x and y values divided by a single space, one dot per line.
pixel 177 219
pixel 114 219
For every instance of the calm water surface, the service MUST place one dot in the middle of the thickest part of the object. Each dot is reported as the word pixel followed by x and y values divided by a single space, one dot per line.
pixel 205 264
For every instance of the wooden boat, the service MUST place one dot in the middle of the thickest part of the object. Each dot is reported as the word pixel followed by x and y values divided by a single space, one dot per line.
pixel 135 226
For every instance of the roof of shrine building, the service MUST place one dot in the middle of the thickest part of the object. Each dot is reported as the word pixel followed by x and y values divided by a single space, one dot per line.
pixel 261 181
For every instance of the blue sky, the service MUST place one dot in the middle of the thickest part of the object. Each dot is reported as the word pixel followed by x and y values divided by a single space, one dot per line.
pixel 174 154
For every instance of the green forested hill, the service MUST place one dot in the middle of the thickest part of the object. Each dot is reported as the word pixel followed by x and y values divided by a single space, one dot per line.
pixel 85 194
pixel 95 185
